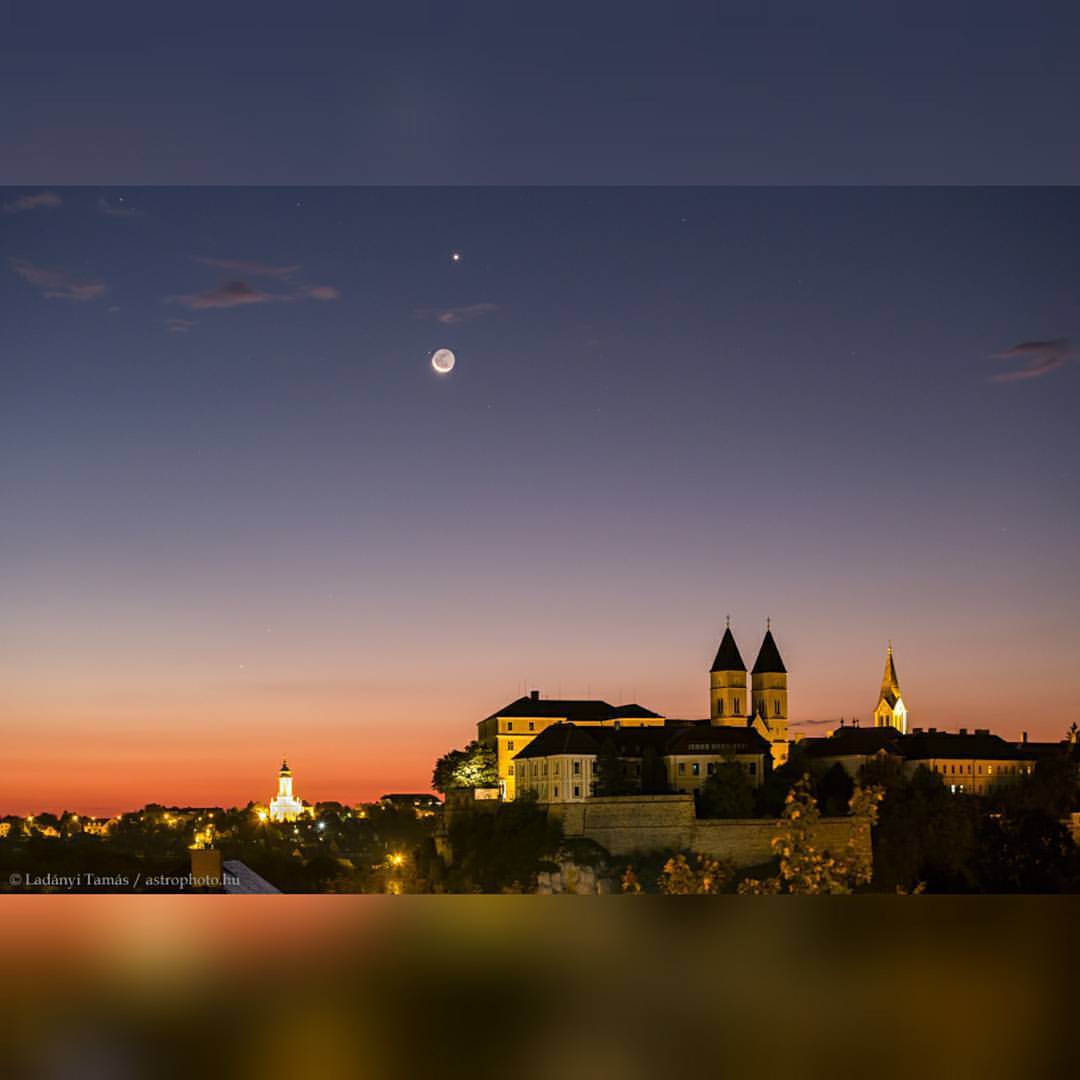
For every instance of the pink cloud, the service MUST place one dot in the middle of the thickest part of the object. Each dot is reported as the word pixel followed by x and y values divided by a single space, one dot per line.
pixel 57 284
pixel 33 202
pixel 451 316
pixel 321 292
pixel 240 293
pixel 249 268
pixel 1040 358
pixel 231 294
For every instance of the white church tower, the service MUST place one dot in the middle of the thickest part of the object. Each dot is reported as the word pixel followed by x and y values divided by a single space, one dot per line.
pixel 285 806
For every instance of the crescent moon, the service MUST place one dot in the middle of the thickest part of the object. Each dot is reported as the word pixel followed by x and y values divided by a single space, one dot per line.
pixel 443 361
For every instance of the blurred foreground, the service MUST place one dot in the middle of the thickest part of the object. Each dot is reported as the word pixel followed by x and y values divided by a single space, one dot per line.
pixel 296 987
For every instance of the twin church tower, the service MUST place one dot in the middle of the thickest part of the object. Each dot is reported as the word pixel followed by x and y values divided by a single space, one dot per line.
pixel 766 706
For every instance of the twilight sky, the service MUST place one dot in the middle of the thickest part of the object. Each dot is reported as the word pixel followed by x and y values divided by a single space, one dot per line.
pixel 486 91
pixel 245 517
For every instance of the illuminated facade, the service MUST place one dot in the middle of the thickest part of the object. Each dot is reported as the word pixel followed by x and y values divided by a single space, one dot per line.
pixel 514 727
pixel 891 710
pixel 762 706
pixel 561 764
pixel 285 806
pixel 765 708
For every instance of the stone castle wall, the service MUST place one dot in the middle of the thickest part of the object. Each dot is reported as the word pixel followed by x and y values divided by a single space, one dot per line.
pixel 641 823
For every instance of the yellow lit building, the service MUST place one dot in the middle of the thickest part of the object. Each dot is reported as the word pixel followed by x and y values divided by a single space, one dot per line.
pixel 285 806
pixel 765 708
pixel 762 706
pixel 561 764
pixel 891 710
pixel 512 728
pixel 974 763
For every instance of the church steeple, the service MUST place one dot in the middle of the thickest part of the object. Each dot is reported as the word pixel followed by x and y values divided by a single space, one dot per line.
pixel 727 656
pixel 891 710
pixel 768 685
pixel 727 682
pixel 890 684
pixel 768 658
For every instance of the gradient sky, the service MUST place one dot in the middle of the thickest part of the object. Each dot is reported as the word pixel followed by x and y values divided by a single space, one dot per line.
pixel 485 91
pixel 248 519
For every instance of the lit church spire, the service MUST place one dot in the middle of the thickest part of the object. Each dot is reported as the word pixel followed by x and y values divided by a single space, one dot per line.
pixel 285 806
pixel 891 710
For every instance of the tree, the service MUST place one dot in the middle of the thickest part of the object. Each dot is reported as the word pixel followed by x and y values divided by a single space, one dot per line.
pixel 706 877
pixel 834 791
pixel 770 796
pixel 475 766
pixel 727 793
pixel 804 867
pixel 654 779
pixel 610 778
pixel 1028 852
pixel 497 851
pixel 925 834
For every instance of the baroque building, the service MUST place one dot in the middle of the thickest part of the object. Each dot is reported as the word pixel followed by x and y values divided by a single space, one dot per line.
pixel 753 714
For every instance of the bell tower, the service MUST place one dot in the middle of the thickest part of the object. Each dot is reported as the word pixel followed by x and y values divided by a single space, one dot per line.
pixel 728 703
pixel 769 688
pixel 891 710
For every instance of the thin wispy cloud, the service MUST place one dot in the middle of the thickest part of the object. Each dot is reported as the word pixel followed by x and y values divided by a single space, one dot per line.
pixel 231 294
pixel 453 315
pixel 249 268
pixel 320 292
pixel 56 284
pixel 117 209
pixel 1035 359
pixel 240 294
pixel 33 202
pixel 178 326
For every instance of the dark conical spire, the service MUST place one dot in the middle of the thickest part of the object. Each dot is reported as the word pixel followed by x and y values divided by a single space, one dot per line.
pixel 768 660
pixel 890 684
pixel 727 656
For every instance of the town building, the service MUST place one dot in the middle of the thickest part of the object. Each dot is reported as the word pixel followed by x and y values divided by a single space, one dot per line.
pixel 562 764
pixel 512 728
pixel 761 706
pixel 974 762
pixel 285 806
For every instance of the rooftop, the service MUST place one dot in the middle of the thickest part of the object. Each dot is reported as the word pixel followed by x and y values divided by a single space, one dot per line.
pixel 574 710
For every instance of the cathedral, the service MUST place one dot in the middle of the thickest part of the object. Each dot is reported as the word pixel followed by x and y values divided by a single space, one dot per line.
pixel 765 708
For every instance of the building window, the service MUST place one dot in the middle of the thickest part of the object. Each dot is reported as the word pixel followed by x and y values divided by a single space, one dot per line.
pixel 682 769
pixel 776 707
pixel 557 764
pixel 695 769
pixel 720 707
pixel 710 768
pixel 532 726
pixel 555 791
pixel 510 745
pixel 577 768
pixel 577 792
pixel 509 725
pixel 736 702
pixel 752 768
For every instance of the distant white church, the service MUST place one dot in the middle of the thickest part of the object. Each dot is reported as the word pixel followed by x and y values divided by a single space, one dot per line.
pixel 285 806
